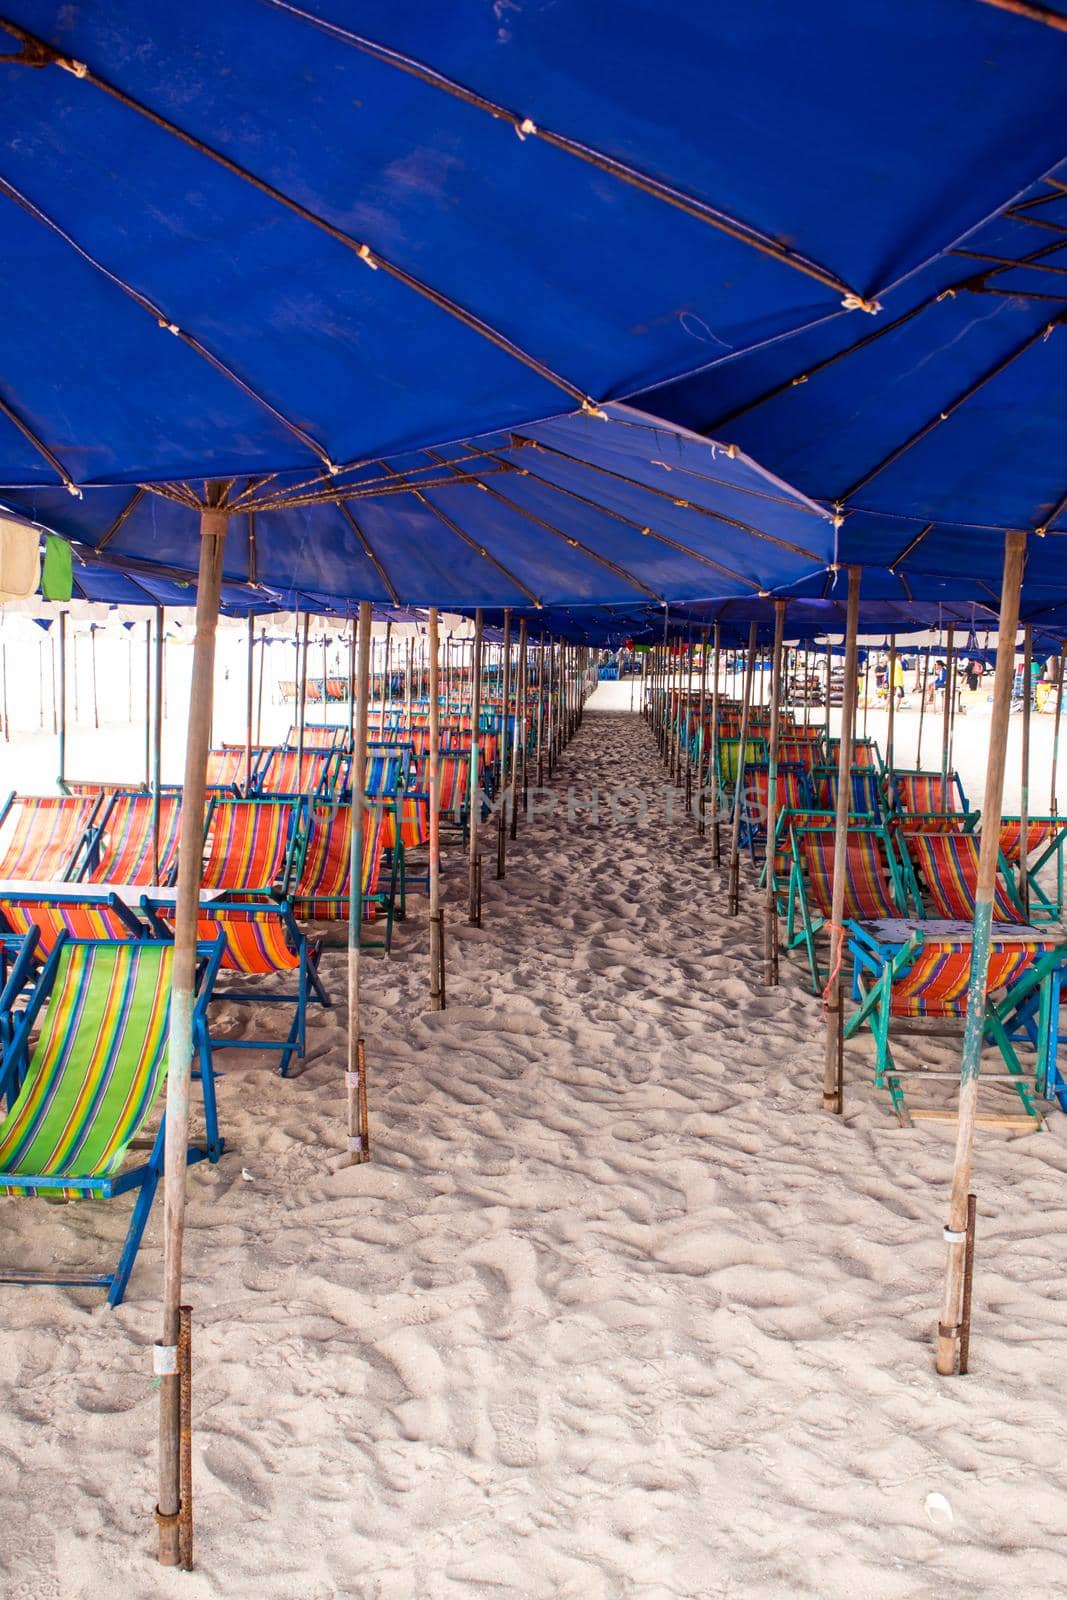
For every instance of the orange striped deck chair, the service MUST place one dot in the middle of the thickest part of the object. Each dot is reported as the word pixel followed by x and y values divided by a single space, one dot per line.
pixel 258 941
pixel 1045 840
pixel 294 772
pixel 318 735
pixel 874 884
pixel 946 866
pixel 249 845
pixel 921 793
pixel 321 890
pixel 104 786
pixel 414 809
pixel 77 915
pixel 45 837
pixel 911 974
pixel 454 770
pixel 124 844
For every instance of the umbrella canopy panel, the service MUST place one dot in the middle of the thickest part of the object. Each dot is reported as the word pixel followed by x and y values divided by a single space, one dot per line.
pixel 247 237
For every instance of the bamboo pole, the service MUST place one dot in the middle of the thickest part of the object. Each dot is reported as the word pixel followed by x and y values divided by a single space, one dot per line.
pixel 541 711
pixel 55 693
pixel 956 1231
pixel 92 673
pixel 702 740
pixel 518 741
pixel 352 686
pixel 437 931
pixel 358 1131
pixel 890 730
pixel 259 692
pixel 713 753
pixel 1053 807
pixel 1024 776
pixel 922 709
pixel 302 691
pixel 148 700
pixel 770 905
pixel 62 698
pixel 249 688
pixel 946 712
pixel 474 865
pixel 833 1088
pixel 734 895
pixel 386 676
pixel 156 721
pixel 213 523
pixel 504 772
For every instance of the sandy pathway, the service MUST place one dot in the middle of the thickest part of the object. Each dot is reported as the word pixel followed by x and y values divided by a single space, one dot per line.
pixel 616 1312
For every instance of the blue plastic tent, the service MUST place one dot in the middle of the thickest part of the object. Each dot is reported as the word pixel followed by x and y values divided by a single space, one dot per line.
pixel 941 429
pixel 259 235
pixel 620 509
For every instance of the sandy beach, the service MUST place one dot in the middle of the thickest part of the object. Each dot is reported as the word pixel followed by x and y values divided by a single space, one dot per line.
pixel 615 1313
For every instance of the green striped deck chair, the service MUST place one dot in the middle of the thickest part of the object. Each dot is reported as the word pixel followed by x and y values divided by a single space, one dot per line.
pixel 81 1097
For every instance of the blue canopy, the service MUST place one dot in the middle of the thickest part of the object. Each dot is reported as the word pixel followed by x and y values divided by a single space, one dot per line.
pixel 942 428
pixel 618 509
pixel 245 237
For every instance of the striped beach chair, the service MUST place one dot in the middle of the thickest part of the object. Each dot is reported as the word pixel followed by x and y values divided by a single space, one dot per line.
pixel 924 793
pixel 46 837
pixel 80 1096
pixel 250 846
pixel 123 849
pixel 909 978
pixel 875 884
pixel 792 793
pixel 866 797
pixel 1045 839
pixel 946 870
pixel 293 772
pixel 321 889
pixel 62 914
pixel 256 942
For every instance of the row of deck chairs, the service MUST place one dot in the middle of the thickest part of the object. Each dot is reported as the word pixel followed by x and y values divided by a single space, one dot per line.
pixel 908 907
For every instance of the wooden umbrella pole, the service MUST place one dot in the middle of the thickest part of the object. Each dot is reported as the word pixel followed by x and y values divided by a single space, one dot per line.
pixel 550 707
pixel 325 670
pixel 352 686
pixel 687 732
pixel 770 904
pixel 302 683
pixel 504 769
pixel 1024 774
pixel 829 680
pixel 922 709
pixel 866 689
pixel 474 865
pixel 701 740
pixel 734 896
pixel 540 711
pixel 259 692
pixel 386 677
pixel 946 713
pixel 358 1132
pixel 249 696
pixel 213 521
pixel 62 698
pixel 1053 807
pixel 955 1233
pixel 409 667
pixel 156 721
pixel 92 674
pixel 148 699
pixel 437 930
pixel 833 996
pixel 713 753
pixel 891 728
pixel 518 741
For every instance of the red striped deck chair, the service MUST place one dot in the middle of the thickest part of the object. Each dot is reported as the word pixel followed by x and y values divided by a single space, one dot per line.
pixel 45 837
pixel 922 793
pixel 414 820
pixel 258 941
pixel 946 865
pixel 249 845
pixel 798 752
pixel 309 772
pixel 104 786
pixel 318 736
pixel 124 846
pixel 927 978
pixel 454 770
pixel 321 891
pixel 227 768
pixel 792 794
pixel 1045 840
pixel 874 884
pixel 75 915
